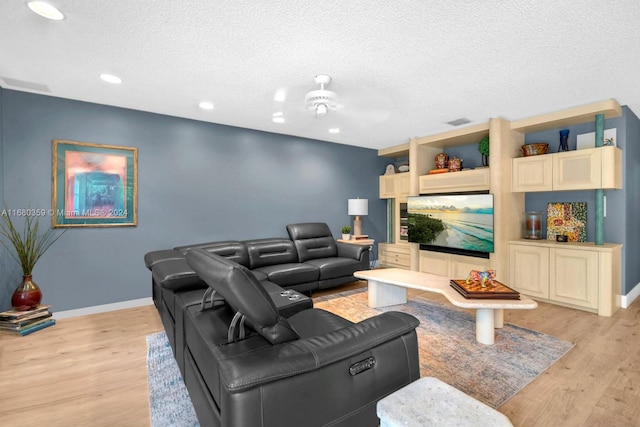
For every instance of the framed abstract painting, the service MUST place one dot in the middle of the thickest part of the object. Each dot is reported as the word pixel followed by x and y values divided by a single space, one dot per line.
pixel 567 219
pixel 93 185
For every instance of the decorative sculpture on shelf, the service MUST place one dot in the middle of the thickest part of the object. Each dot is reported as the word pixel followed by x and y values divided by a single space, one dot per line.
pixel 484 277
pixel 564 140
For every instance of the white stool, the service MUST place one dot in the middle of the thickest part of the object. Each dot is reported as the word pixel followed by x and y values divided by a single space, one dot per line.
pixel 431 402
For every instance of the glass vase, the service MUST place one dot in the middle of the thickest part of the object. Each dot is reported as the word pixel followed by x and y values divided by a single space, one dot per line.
pixel 27 295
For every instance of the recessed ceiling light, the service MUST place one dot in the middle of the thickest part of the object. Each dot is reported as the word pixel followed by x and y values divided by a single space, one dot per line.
pixel 278 117
pixel 45 10
pixel 110 78
pixel 334 130
pixel 206 105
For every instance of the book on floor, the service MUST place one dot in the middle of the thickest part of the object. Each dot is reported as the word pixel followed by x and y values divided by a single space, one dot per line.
pixel 15 314
pixel 30 328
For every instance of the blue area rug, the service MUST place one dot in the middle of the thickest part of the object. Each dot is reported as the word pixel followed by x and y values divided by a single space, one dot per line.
pixel 169 400
pixel 449 351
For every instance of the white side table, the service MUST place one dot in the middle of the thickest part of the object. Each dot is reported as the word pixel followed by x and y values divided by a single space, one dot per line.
pixel 431 402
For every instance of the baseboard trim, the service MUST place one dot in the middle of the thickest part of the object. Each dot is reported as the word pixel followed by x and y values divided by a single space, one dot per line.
pixel 103 308
pixel 630 297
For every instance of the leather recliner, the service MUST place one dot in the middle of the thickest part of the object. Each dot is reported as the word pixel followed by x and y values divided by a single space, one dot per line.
pixel 246 365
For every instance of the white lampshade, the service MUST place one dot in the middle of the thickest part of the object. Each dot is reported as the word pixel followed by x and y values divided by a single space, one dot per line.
pixel 358 206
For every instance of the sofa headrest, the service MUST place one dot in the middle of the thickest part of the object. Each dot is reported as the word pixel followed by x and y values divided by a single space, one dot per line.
pixel 230 249
pixel 308 230
pixel 242 291
pixel 271 251
pixel 313 240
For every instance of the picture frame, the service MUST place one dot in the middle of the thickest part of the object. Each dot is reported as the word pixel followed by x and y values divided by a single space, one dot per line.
pixel 94 185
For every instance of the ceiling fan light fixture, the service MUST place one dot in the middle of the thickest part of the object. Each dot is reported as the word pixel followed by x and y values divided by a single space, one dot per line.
pixel 321 101
pixel 45 10
pixel 321 109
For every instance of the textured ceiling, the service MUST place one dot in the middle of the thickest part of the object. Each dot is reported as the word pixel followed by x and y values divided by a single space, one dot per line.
pixel 400 68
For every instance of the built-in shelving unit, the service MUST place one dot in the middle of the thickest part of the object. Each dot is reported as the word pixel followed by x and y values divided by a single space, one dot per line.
pixel 505 165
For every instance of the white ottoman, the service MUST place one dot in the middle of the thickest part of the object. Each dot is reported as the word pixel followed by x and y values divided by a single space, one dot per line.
pixel 431 402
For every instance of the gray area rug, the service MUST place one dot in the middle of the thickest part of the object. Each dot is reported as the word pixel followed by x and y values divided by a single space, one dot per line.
pixel 449 351
pixel 169 401
pixel 447 346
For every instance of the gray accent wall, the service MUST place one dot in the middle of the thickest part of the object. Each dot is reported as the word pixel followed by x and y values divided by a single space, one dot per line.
pixel 631 215
pixel 197 182
pixel 621 222
pixel 6 285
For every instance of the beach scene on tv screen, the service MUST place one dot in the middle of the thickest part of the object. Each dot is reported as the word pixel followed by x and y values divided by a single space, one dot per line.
pixel 456 221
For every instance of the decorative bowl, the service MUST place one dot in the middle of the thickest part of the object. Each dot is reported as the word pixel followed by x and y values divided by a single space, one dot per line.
pixel 534 149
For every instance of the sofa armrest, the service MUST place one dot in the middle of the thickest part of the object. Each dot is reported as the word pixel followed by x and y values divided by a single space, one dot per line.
pixel 359 252
pixel 348 250
pixel 294 358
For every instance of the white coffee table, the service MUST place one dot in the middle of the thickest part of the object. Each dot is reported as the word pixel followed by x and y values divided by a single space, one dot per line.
pixel 388 286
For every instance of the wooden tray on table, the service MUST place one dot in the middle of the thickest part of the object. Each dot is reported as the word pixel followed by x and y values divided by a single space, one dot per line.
pixel 474 290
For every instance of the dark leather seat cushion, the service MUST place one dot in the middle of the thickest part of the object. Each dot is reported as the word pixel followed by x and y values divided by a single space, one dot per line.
pixel 176 274
pixel 290 274
pixel 330 268
pixel 311 323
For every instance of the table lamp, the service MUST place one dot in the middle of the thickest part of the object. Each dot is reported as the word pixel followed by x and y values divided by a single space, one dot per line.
pixel 358 207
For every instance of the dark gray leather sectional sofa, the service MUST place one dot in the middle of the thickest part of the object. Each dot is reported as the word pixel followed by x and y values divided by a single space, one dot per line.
pixel 254 354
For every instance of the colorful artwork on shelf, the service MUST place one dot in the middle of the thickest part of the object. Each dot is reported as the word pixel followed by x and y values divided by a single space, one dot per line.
pixel 567 219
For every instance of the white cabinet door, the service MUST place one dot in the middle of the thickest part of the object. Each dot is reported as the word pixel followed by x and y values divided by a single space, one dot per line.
pixel 435 263
pixel 531 173
pixel 392 186
pixel 577 170
pixel 574 277
pixel 529 270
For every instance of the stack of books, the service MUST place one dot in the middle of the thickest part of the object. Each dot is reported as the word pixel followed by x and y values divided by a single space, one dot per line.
pixel 25 322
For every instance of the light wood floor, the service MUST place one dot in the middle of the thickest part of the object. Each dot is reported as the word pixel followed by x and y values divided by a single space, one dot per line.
pixel 91 370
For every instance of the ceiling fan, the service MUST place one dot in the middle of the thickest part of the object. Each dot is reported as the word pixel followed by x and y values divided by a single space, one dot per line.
pixel 322 100
pixel 358 103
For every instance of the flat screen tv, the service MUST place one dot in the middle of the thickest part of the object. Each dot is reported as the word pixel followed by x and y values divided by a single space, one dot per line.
pixel 453 223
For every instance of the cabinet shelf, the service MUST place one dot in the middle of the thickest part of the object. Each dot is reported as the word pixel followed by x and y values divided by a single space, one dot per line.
pixel 394 185
pixel 568 117
pixel 456 138
pixel 465 180
pixel 587 169
pixel 581 275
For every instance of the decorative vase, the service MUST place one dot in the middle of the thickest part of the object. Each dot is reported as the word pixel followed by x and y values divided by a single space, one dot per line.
pixel 27 296
pixel 564 140
pixel 455 165
pixel 441 160
pixel 533 225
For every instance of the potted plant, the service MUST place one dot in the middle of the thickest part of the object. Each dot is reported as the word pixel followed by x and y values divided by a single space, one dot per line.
pixel 483 147
pixel 346 233
pixel 26 248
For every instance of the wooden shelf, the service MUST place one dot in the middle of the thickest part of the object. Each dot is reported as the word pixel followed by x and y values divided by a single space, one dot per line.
pixel 456 138
pixel 396 151
pixel 568 117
